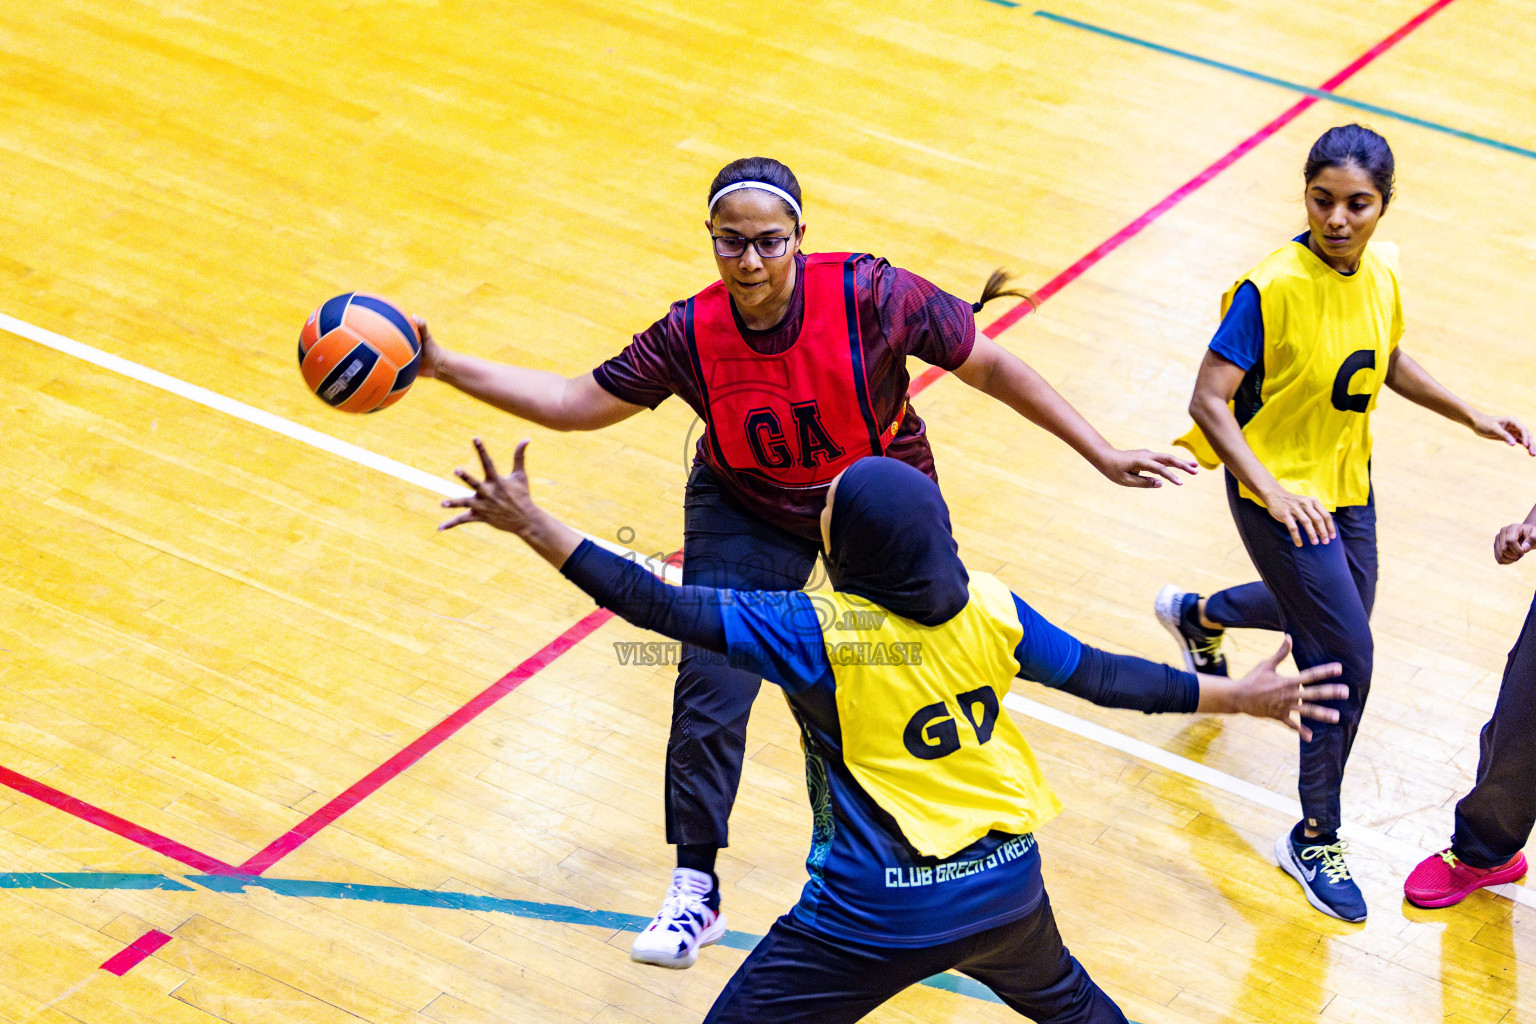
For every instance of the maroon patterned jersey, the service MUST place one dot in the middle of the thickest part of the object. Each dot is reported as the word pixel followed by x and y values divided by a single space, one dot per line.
pixel 899 314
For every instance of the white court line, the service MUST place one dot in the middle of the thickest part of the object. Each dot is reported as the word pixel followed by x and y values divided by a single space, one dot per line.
pixel 1358 835
pixel 1397 849
pixel 261 418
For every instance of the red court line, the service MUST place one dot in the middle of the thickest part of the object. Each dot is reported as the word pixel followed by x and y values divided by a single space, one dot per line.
pixel 112 823
pixel 1191 186
pixel 141 949
pixel 425 744
pixel 360 790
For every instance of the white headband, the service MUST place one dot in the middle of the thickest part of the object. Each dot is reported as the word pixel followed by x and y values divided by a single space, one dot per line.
pixel 714 199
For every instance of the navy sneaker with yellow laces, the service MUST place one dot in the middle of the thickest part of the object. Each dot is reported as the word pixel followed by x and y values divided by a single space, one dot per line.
pixel 1317 863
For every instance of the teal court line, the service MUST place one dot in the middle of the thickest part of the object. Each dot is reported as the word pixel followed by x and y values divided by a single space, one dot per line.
pixel 302 889
pixel 1322 94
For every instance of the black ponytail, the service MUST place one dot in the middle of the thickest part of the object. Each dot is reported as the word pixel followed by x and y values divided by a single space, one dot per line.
pixel 994 289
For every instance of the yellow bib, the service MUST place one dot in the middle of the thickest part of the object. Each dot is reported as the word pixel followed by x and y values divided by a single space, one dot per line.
pixel 1327 342
pixel 923 726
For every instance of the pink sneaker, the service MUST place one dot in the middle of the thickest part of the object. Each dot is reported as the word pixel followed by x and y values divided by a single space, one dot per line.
pixel 1441 879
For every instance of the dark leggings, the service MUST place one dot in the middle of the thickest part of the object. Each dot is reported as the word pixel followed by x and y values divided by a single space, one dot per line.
pixel 796 976
pixel 1494 821
pixel 1321 594
pixel 724 545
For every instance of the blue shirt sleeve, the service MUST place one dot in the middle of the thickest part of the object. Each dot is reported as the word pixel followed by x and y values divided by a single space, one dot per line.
pixel 1240 338
pixel 1050 655
pixel 1047 654
pixel 777 635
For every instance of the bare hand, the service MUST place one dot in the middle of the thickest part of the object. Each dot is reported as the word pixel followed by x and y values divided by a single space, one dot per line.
pixel 431 352
pixel 1301 515
pixel 1265 693
pixel 499 501
pixel 1503 428
pixel 1126 468
pixel 1512 542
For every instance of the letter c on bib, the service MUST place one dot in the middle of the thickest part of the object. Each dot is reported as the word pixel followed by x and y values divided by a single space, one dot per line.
pixel 1345 400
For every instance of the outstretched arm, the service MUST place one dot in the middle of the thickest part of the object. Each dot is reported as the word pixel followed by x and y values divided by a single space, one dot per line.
pixel 505 503
pixel 691 614
pixel 1265 693
pixel 1413 382
pixel 1050 655
pixel 993 370
pixel 1126 681
pixel 548 399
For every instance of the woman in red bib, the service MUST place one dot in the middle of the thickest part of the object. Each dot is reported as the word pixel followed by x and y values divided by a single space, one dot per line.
pixel 797 365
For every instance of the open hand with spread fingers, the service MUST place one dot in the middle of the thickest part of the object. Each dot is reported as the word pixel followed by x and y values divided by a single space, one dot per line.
pixel 504 502
pixel 1265 693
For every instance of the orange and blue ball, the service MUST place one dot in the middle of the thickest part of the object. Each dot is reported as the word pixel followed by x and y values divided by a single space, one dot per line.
pixel 359 353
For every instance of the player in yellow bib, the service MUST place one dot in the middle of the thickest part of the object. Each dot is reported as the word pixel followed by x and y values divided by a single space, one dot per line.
pixel 1283 399
pixel 924 794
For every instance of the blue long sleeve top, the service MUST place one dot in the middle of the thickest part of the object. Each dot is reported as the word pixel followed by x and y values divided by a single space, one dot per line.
pixel 865 882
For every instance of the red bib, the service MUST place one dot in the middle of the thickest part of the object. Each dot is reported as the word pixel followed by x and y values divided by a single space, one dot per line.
pixel 800 417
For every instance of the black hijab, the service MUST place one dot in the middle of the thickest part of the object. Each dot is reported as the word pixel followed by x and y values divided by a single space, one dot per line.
pixel 891 542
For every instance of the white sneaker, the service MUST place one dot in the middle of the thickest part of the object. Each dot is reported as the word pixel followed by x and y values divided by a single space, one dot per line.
pixel 684 925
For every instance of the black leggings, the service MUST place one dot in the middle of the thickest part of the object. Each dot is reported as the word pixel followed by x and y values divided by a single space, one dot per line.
pixel 1494 821
pixel 724 545
pixel 1322 595
pixel 796 976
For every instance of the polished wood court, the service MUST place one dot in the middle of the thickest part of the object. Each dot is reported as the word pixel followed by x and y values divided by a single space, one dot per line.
pixel 208 630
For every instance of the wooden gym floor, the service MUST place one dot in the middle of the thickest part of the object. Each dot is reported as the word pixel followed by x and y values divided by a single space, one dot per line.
pixel 229 647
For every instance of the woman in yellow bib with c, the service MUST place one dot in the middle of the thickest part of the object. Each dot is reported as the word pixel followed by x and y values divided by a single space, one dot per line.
pixel 1283 399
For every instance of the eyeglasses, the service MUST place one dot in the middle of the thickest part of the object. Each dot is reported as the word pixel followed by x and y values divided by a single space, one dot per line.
pixel 734 246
